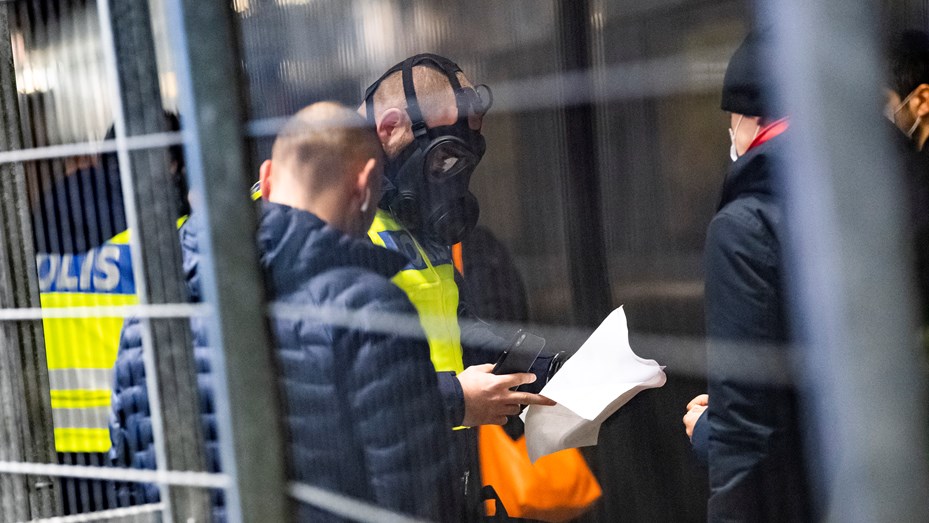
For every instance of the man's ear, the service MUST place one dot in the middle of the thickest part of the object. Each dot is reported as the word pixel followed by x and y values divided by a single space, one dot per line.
pixel 363 182
pixel 921 96
pixel 264 179
pixel 393 122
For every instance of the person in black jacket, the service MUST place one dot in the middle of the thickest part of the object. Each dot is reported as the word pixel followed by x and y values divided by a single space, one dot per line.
pixel 749 432
pixel 362 406
pixel 908 109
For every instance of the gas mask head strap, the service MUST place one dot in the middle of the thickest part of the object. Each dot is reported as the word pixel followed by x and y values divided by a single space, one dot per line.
pixel 449 68
pixel 440 63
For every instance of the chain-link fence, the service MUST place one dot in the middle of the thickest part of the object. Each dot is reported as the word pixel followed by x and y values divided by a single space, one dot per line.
pixel 159 363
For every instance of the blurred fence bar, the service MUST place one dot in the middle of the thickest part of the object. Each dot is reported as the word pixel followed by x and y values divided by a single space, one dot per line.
pixel 864 379
pixel 580 179
pixel 151 215
pixel 246 389
pixel 26 432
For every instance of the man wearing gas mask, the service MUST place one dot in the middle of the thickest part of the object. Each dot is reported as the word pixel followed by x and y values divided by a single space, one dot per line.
pixel 428 117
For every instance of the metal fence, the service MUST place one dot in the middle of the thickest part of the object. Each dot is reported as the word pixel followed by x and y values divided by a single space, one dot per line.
pixel 607 151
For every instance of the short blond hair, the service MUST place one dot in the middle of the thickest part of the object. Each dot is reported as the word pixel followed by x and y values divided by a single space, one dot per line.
pixel 325 142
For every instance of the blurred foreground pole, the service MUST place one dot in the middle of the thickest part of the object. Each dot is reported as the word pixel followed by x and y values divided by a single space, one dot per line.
pixel 864 384
pixel 151 214
pixel 591 298
pixel 248 411
pixel 26 431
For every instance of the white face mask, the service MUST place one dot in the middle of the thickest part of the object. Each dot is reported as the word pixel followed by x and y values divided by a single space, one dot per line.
pixel 733 151
pixel 892 115
pixel 909 134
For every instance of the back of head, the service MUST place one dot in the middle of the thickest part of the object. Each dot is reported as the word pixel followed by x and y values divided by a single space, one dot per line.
pixel 908 61
pixel 177 170
pixel 749 85
pixel 322 145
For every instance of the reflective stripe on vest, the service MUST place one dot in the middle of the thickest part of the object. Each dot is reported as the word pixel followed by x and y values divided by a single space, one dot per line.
pixel 80 352
pixel 429 282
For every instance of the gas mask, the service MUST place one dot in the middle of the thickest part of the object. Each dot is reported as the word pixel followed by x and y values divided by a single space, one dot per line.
pixel 426 186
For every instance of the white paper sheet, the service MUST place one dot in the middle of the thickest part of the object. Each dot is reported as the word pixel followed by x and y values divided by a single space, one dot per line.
pixel 592 385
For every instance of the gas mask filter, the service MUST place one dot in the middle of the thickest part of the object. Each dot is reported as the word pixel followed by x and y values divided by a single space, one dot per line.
pixel 426 189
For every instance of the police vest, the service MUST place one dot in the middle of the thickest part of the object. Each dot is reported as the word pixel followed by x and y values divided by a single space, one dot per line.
pixel 81 352
pixel 429 282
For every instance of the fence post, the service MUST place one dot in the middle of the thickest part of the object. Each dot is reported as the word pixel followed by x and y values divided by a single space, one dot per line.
pixel 151 211
pixel 591 297
pixel 212 95
pixel 26 430
pixel 862 377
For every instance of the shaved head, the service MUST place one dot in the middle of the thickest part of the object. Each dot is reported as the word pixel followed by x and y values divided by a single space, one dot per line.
pixel 324 143
pixel 327 160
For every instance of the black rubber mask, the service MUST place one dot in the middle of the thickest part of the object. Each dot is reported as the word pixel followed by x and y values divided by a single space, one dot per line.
pixel 427 183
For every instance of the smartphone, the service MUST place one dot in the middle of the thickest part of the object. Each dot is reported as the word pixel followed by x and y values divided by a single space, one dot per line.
pixel 521 353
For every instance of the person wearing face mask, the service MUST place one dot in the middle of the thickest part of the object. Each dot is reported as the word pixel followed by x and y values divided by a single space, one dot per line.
pixel 907 107
pixel 428 117
pixel 908 91
pixel 747 432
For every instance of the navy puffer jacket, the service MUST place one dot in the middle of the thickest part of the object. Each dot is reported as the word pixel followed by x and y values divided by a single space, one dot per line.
pixel 362 407
pixel 130 420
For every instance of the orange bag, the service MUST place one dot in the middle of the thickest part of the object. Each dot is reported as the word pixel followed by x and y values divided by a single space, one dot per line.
pixel 558 487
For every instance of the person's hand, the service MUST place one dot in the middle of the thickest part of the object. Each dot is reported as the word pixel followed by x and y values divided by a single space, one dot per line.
pixel 694 410
pixel 488 399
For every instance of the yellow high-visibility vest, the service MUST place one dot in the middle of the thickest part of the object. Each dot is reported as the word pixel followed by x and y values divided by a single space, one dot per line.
pixel 81 352
pixel 429 282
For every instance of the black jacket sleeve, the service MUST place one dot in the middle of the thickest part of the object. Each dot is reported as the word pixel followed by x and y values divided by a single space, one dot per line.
pixel 452 397
pixel 700 440
pixel 748 421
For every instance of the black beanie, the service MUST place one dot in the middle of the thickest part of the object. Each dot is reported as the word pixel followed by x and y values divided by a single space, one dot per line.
pixel 748 87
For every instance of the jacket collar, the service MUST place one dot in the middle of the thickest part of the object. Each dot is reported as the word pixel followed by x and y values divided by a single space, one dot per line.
pixel 295 244
pixel 755 171
pixel 776 128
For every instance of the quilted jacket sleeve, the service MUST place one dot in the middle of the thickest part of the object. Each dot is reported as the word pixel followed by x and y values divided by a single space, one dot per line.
pixel 398 415
pixel 130 417
pixel 131 435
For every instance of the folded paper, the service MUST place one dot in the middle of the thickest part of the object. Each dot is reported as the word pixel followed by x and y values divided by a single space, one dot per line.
pixel 592 385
